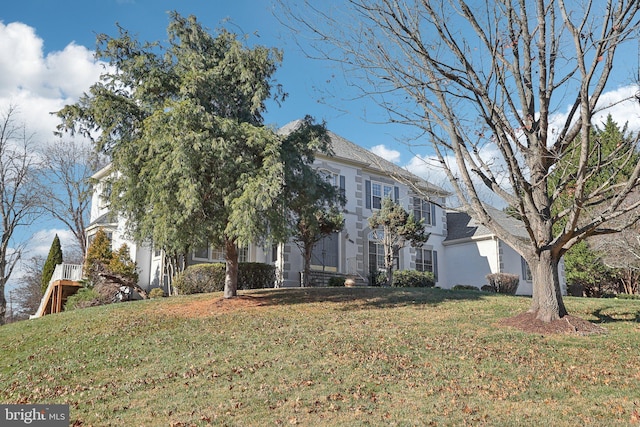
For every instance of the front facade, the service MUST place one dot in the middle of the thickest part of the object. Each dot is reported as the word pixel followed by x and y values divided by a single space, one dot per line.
pixel 366 179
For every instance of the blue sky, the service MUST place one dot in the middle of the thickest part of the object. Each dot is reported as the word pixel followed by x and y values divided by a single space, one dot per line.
pixel 46 61
pixel 307 81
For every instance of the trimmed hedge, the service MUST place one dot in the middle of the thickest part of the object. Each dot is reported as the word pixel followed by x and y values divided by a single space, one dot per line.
pixel 413 279
pixel 204 278
pixel 504 283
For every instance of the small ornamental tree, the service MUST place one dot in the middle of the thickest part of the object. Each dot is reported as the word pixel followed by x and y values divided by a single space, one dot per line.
pixel 108 270
pixel 122 265
pixel 393 227
pixel 54 258
pixel 99 254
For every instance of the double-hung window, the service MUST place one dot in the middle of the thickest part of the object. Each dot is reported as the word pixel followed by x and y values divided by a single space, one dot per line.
pixel 379 191
pixel 216 254
pixel 427 260
pixel 376 252
pixel 424 210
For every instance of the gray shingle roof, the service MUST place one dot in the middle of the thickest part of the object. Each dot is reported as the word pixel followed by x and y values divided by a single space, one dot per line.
pixel 351 152
pixel 460 225
pixel 108 218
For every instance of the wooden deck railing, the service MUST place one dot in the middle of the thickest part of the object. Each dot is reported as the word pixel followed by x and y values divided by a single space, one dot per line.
pixel 64 282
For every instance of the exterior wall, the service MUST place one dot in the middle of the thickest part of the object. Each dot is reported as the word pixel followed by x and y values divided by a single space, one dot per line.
pixel 353 246
pixel 513 265
pixel 467 263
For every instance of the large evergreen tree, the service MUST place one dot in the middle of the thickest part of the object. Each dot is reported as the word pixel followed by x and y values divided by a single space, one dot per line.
pixel 54 258
pixel 611 159
pixel 193 163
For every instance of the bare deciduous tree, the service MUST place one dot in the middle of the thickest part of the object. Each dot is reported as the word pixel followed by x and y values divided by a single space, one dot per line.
pixel 17 204
pixel 29 292
pixel 65 191
pixel 519 79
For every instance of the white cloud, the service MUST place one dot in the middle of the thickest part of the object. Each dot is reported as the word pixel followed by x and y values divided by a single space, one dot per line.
pixel 621 103
pixel 38 245
pixel 40 242
pixel 623 106
pixel 39 84
pixel 387 154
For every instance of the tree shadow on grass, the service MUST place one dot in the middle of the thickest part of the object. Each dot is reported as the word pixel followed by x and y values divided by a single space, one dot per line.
pixel 630 315
pixel 365 297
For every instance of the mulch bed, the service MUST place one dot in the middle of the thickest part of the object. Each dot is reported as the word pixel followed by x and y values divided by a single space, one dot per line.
pixel 568 324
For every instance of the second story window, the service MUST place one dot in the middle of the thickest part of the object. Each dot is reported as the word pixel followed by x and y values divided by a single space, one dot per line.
pixel 378 192
pixel 424 210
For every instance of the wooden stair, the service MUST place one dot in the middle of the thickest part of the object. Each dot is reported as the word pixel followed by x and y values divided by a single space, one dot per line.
pixel 64 282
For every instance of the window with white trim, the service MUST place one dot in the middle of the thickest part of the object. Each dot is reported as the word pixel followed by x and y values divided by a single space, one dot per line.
pixel 427 260
pixel 424 260
pixel 380 191
pixel 376 253
pixel 217 254
pixel 330 177
pixel 105 195
pixel 423 209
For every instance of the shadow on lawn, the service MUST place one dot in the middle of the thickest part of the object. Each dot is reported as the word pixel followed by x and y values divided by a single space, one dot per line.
pixel 628 316
pixel 365 296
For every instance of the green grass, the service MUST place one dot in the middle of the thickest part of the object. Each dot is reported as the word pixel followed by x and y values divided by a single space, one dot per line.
pixel 338 356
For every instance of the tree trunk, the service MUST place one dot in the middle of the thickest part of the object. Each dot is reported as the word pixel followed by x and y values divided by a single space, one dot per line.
pixel 231 272
pixel 547 300
pixel 308 248
pixel 3 305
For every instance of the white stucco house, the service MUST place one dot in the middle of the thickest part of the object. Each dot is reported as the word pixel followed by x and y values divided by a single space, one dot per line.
pixel 457 252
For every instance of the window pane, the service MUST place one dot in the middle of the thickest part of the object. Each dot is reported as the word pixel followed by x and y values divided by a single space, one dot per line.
pixel 201 253
pixel 217 254
pixel 388 191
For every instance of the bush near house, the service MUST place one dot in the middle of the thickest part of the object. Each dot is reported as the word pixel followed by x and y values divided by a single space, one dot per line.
pixel 336 281
pixel 156 293
pixel 413 279
pixel 85 297
pixel 465 288
pixel 504 283
pixel 204 278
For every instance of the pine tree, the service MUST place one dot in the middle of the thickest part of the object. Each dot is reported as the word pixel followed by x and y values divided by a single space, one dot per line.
pixel 54 258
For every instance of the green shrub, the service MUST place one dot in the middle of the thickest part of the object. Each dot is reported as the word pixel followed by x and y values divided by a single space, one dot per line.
pixel 256 275
pixel 201 278
pixel 85 297
pixel 465 288
pixel 204 278
pixel 504 283
pixel 488 288
pixel 413 279
pixel 156 293
pixel 335 281
pixel 378 278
